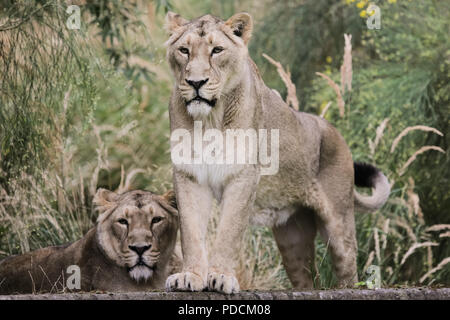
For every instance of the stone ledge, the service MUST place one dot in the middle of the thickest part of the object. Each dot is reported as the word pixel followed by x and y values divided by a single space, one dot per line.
pixel 345 294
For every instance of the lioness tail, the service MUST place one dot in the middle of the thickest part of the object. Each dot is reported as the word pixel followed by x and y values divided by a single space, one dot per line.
pixel 369 176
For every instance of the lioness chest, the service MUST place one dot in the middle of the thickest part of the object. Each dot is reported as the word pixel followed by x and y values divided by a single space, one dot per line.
pixel 212 175
pixel 274 198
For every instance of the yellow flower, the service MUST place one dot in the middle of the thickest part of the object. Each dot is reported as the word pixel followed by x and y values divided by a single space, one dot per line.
pixel 363 13
pixel 371 12
pixel 360 4
pixel 329 59
pixel 392 1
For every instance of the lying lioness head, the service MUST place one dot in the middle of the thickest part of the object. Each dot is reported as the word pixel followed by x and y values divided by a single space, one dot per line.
pixel 206 56
pixel 136 229
pixel 128 250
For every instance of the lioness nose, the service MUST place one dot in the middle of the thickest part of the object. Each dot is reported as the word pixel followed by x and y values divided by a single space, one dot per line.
pixel 140 249
pixel 197 84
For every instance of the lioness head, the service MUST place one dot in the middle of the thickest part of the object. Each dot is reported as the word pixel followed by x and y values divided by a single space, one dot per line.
pixel 206 56
pixel 137 229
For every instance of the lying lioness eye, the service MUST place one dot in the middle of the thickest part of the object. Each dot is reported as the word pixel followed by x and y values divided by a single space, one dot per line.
pixel 184 50
pixel 156 220
pixel 123 221
pixel 217 50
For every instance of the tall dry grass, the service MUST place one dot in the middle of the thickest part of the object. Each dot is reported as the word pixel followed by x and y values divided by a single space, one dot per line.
pixel 291 98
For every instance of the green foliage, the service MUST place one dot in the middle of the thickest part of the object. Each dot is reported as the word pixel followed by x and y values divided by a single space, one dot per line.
pixel 69 122
pixel 410 87
pixel 117 21
pixel 401 73
pixel 414 43
pixel 40 64
pixel 165 5
pixel 310 32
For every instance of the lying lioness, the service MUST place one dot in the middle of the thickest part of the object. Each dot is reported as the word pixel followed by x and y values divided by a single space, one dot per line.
pixel 128 250
pixel 218 89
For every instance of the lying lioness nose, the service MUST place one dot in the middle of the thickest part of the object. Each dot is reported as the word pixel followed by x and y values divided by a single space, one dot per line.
pixel 197 84
pixel 140 249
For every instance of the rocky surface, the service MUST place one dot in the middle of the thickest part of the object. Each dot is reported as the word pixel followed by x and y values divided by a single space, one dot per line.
pixel 347 294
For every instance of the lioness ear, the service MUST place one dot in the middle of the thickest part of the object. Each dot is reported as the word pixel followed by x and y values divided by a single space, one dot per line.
pixel 104 199
pixel 169 202
pixel 171 198
pixel 173 22
pixel 242 25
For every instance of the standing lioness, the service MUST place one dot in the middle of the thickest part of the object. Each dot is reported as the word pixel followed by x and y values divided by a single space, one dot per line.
pixel 217 83
pixel 128 250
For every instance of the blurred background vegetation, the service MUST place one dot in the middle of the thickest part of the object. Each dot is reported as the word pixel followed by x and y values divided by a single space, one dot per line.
pixel 82 109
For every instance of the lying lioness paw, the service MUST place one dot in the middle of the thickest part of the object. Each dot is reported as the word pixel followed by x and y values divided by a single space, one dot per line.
pixel 128 250
pixel 219 90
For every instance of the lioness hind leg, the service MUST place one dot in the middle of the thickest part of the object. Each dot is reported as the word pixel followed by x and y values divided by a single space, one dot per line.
pixel 336 226
pixel 295 241
pixel 342 245
pixel 332 200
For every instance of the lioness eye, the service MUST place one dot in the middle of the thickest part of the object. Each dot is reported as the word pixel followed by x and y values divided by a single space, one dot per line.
pixel 217 50
pixel 184 50
pixel 123 221
pixel 156 220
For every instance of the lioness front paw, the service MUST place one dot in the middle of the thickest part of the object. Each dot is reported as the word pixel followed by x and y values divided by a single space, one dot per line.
pixel 222 283
pixel 185 281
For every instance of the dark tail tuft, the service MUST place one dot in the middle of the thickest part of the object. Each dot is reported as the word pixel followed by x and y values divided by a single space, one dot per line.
pixel 365 174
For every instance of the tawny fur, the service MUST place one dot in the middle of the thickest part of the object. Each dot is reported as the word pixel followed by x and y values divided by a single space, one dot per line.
pixel 103 254
pixel 312 192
